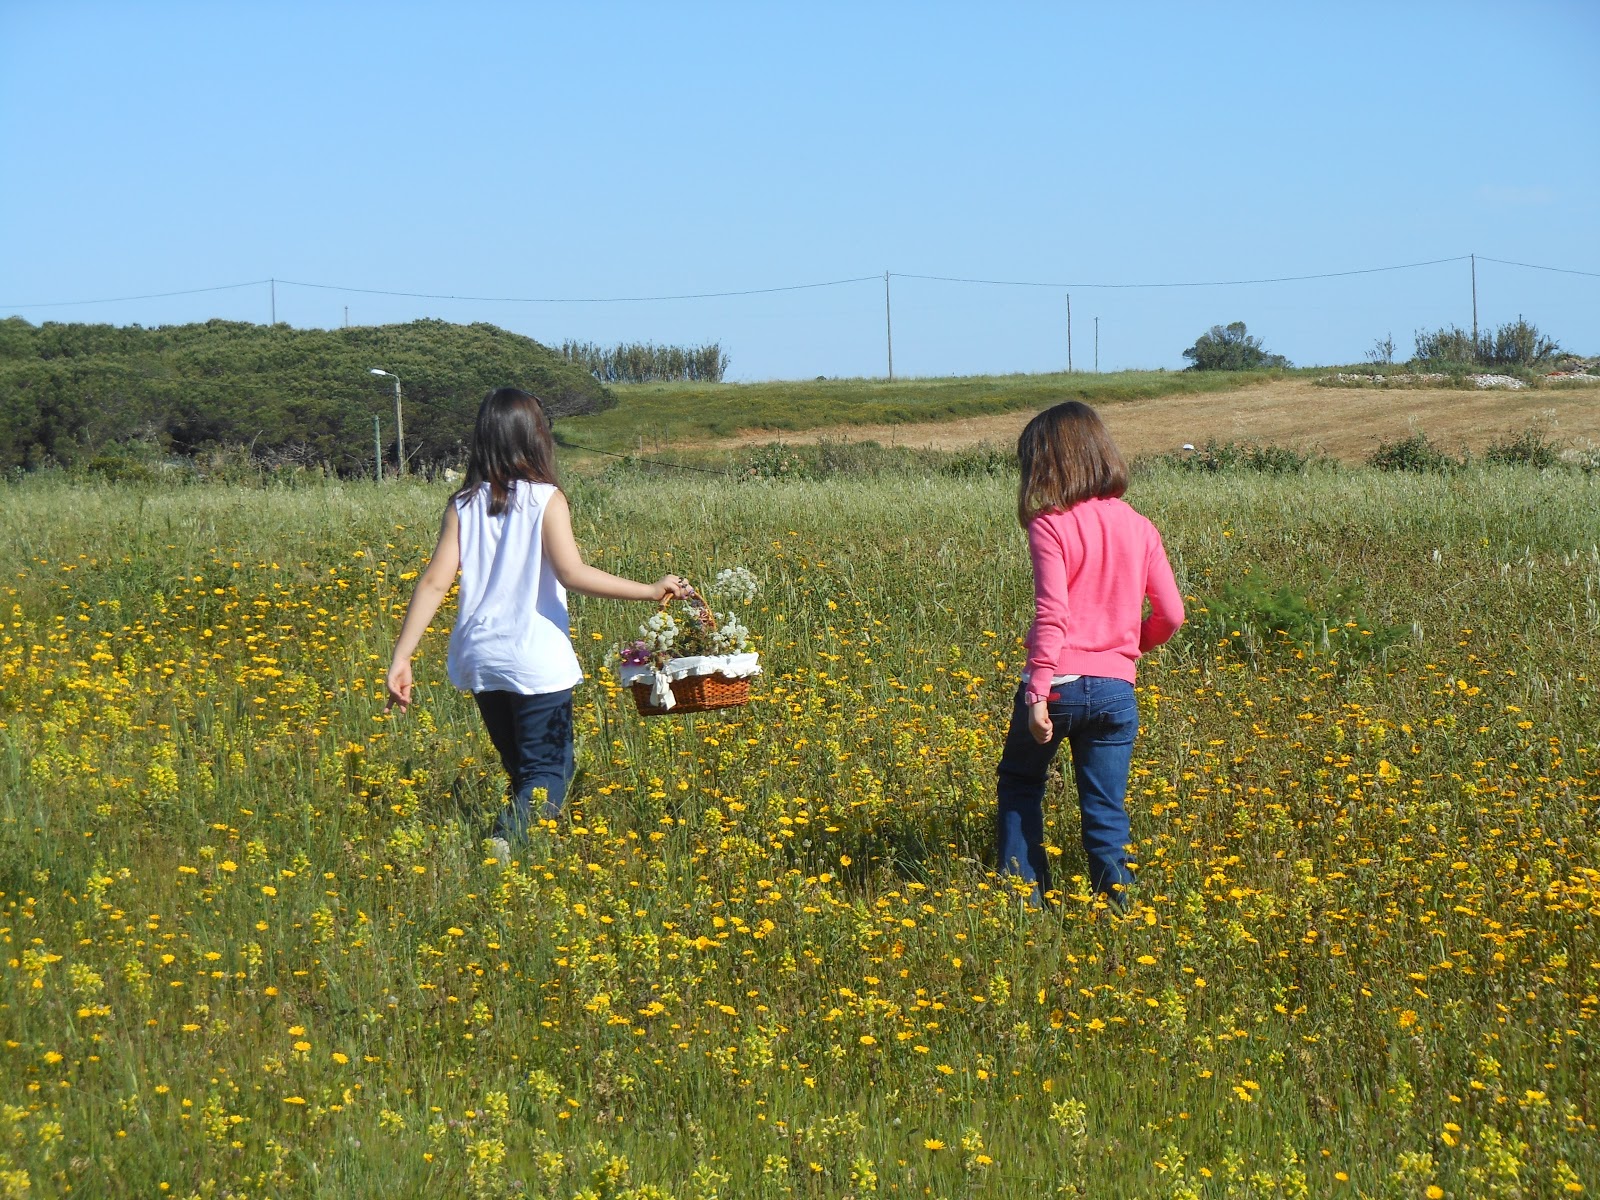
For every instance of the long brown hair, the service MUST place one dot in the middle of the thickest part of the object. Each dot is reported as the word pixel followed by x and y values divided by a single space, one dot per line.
pixel 1066 456
pixel 510 441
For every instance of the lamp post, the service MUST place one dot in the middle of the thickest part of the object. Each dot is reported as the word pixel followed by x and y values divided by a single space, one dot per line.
pixel 399 426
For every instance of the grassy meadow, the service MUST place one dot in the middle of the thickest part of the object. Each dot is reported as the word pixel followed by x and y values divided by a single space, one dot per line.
pixel 254 948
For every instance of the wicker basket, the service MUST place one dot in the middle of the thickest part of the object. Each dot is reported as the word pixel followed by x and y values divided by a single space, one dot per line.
pixel 697 693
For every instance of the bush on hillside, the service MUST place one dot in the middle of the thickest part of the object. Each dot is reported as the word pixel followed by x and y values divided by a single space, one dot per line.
pixel 1230 348
pixel 1448 346
pixel 1515 344
pixel 1530 448
pixel 1413 453
pixel 71 393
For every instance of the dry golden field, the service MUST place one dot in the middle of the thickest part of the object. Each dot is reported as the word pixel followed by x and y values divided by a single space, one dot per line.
pixel 1347 423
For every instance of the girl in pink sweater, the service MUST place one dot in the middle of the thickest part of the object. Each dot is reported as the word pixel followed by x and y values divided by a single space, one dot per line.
pixel 1095 563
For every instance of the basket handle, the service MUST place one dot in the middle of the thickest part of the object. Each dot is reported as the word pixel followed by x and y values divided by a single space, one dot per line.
pixel 697 604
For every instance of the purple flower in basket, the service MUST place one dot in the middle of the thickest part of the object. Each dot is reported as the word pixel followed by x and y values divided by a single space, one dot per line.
pixel 636 654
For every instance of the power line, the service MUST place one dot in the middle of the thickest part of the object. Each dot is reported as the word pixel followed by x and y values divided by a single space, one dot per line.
pixel 331 287
pixel 1506 262
pixel 795 287
pixel 221 287
pixel 792 287
pixel 1197 283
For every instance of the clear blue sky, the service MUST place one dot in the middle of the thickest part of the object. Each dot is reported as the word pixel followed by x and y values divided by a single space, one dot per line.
pixel 623 150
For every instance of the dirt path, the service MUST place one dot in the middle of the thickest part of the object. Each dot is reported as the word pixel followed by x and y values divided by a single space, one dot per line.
pixel 1347 423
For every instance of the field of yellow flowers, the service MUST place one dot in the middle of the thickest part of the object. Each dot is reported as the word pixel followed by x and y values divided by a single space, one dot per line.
pixel 253 947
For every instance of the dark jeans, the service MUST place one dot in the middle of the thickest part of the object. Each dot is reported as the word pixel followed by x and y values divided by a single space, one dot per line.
pixel 1098 717
pixel 534 737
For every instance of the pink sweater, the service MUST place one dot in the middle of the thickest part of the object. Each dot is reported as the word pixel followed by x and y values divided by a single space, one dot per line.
pixel 1093 567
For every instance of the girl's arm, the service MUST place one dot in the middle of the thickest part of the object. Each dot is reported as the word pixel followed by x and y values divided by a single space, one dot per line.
pixel 1049 629
pixel 436 579
pixel 561 550
pixel 1166 602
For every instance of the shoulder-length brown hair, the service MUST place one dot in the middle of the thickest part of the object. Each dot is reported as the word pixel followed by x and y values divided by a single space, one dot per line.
pixel 510 441
pixel 1066 456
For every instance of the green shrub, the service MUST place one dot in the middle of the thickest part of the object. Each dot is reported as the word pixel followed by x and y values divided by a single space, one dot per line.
pixel 119 468
pixel 1230 348
pixel 1530 448
pixel 1520 344
pixel 1515 344
pixel 978 461
pixel 777 462
pixel 137 460
pixel 1445 347
pixel 1219 457
pixel 1413 453
pixel 829 459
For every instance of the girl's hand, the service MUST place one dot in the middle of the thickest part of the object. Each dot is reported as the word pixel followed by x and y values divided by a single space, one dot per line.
pixel 1039 723
pixel 399 684
pixel 671 585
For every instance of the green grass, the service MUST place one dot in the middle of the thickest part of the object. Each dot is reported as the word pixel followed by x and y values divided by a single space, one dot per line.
pixel 651 415
pixel 253 949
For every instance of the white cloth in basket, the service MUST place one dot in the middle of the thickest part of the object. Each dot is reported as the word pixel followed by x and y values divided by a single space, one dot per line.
pixel 729 666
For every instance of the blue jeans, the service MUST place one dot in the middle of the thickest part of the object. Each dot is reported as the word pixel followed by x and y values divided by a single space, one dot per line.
pixel 1099 718
pixel 534 737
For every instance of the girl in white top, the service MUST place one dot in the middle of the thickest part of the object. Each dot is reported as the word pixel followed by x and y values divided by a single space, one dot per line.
pixel 508 532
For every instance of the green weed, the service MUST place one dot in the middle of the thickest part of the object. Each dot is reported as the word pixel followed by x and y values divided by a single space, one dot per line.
pixel 1414 453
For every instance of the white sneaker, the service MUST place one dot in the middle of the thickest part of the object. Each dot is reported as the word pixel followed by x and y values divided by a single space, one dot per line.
pixel 499 849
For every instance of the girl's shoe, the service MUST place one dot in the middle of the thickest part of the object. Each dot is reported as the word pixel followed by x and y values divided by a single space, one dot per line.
pixel 499 849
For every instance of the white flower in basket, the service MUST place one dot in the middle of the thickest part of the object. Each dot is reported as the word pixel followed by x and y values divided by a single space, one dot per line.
pixel 707 657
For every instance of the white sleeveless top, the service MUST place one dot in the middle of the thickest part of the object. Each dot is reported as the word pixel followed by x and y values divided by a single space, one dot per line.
pixel 511 634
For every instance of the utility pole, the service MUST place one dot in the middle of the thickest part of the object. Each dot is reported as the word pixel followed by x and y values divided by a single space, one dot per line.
pixel 274 284
pixel 347 316
pixel 888 325
pixel 1474 306
pixel 1069 333
pixel 1097 345
pixel 377 450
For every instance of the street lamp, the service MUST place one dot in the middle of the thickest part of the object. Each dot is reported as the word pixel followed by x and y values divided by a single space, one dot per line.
pixel 399 427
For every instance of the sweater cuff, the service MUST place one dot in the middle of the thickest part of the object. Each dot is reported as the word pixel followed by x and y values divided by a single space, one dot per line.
pixel 1039 682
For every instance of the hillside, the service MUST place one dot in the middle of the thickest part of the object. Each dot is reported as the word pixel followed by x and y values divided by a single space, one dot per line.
pixel 72 392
